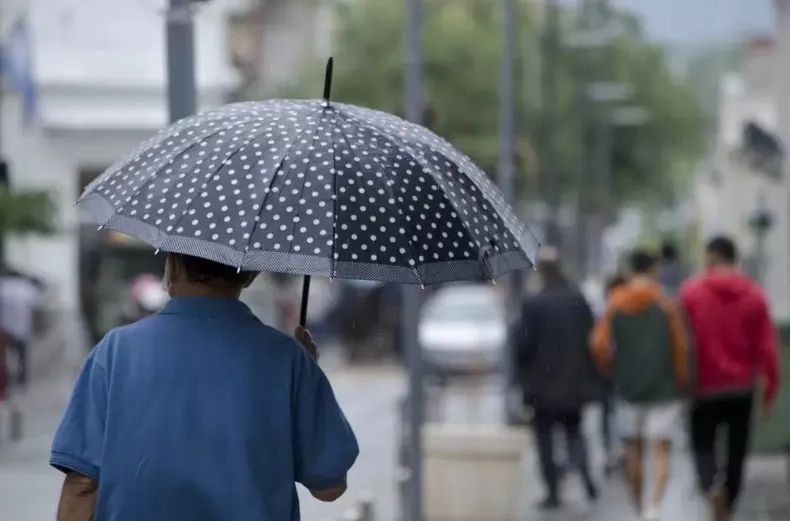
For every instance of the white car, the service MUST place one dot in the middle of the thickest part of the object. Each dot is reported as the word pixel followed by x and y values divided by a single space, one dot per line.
pixel 463 329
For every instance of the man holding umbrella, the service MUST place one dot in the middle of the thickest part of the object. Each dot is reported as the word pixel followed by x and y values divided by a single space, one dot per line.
pixel 201 412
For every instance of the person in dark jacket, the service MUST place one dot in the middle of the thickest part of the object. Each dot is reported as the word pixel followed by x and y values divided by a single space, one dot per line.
pixel 558 374
pixel 737 358
pixel 672 271
pixel 641 342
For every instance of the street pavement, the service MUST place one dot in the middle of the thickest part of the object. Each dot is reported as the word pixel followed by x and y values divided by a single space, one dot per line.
pixel 370 395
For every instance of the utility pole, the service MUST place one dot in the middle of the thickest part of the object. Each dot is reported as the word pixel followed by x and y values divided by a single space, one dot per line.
pixel 410 305
pixel 181 90
pixel 507 119
pixel 506 178
pixel 550 168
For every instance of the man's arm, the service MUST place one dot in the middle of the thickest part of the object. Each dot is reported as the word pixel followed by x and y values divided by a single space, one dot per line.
pixel 768 346
pixel 601 342
pixel 679 341
pixel 331 494
pixel 77 498
pixel 325 447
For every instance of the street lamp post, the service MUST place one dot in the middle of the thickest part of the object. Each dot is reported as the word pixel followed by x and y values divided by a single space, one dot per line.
pixel 410 304
pixel 551 37
pixel 181 90
pixel 506 178
pixel 611 117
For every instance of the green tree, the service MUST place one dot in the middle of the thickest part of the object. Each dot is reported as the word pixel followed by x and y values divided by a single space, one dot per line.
pixel 24 212
pixel 462 60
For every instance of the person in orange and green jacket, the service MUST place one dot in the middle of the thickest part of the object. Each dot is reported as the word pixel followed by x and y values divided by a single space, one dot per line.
pixel 641 342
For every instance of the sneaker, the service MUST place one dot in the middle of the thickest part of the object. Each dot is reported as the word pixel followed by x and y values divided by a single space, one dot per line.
pixel 592 491
pixel 651 514
pixel 550 503
pixel 718 504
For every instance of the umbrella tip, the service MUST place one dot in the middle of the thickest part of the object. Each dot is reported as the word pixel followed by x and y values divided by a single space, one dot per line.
pixel 328 80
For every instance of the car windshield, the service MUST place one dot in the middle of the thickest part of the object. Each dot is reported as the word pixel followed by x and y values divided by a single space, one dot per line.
pixel 462 306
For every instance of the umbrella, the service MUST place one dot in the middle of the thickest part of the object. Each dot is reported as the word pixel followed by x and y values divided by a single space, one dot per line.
pixel 313 187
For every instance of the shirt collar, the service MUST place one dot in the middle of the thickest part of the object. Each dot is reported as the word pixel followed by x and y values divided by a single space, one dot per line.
pixel 206 307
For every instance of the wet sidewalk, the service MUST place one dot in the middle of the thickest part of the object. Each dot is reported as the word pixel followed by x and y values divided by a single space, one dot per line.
pixel 29 488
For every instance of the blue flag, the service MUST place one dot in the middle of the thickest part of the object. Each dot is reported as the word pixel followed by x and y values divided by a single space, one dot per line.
pixel 16 67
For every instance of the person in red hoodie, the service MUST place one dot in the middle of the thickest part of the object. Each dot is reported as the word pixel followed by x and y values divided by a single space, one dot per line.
pixel 737 357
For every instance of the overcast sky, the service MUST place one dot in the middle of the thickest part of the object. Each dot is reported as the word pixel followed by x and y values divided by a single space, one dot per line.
pixel 700 21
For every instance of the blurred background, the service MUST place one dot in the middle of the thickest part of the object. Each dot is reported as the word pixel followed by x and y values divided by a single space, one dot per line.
pixel 620 123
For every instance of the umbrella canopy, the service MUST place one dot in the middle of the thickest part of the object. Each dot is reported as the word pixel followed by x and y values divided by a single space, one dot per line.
pixel 313 188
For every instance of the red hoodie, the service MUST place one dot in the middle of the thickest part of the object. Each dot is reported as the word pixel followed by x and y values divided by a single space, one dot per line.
pixel 735 339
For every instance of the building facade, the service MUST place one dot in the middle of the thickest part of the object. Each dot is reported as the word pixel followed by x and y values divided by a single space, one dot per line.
pixel 98 71
pixel 743 185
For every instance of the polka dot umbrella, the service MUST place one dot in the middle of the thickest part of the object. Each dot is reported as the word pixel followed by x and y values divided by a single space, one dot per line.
pixel 313 188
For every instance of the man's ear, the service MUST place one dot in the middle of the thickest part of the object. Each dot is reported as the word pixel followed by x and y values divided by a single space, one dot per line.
pixel 172 271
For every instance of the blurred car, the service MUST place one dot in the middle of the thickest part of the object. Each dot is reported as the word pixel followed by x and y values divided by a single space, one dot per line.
pixel 463 330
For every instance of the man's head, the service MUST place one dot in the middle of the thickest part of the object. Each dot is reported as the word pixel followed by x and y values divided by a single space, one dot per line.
pixel 192 276
pixel 721 252
pixel 642 262
pixel 549 266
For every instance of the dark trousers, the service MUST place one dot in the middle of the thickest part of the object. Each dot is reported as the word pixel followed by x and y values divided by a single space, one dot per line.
pixel 607 419
pixel 711 420
pixel 570 421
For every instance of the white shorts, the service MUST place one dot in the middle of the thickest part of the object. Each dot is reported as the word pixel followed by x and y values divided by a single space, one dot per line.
pixel 659 421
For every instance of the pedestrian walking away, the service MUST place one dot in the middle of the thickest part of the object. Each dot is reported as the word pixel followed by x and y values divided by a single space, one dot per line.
pixel 672 272
pixel 641 342
pixel 19 296
pixel 557 372
pixel 737 358
pixel 200 412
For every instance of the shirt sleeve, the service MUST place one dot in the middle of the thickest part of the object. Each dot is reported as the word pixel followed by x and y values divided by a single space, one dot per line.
pixel 325 447
pixel 78 442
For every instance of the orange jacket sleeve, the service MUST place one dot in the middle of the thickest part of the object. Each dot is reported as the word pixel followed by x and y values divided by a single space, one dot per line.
pixel 601 342
pixel 679 340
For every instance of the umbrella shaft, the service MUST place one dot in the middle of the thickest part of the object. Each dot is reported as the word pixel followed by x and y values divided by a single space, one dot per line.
pixel 305 298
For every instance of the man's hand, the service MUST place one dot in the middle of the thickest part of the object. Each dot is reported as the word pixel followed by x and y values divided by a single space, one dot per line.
pixel 767 411
pixel 331 494
pixel 303 336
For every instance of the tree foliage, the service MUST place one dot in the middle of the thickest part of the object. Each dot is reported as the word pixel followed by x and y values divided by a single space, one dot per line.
pixel 24 212
pixel 462 42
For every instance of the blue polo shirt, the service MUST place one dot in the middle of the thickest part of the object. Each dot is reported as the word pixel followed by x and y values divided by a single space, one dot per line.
pixel 202 413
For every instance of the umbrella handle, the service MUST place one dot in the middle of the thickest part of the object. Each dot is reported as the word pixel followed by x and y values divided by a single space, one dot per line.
pixel 305 298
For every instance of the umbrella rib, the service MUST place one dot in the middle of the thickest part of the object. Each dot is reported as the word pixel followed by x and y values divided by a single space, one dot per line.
pixel 213 175
pixel 266 196
pixel 459 158
pixel 407 225
pixel 333 249
pixel 420 158
pixel 304 182
pixel 153 175
pixel 402 145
